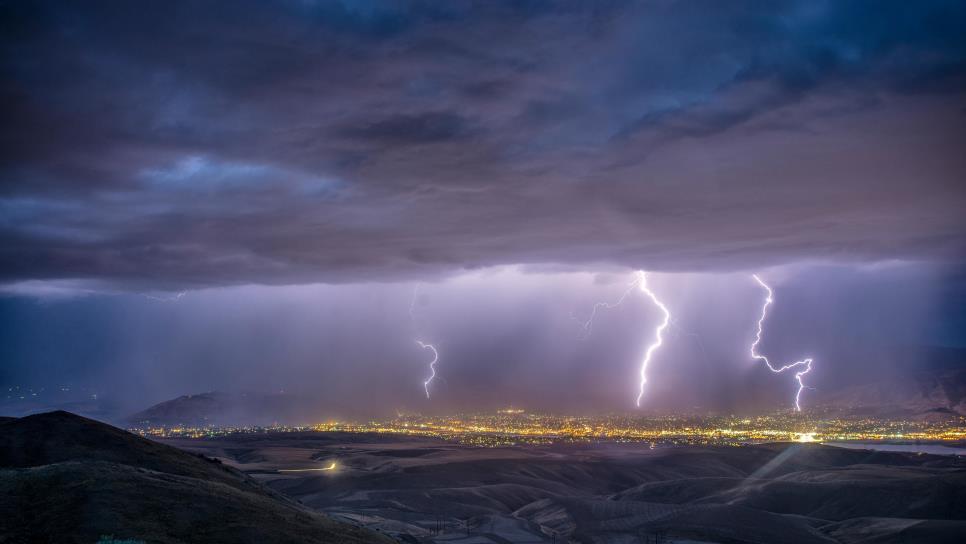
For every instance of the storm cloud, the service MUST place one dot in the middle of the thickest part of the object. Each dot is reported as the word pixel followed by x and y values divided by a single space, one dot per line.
pixel 170 145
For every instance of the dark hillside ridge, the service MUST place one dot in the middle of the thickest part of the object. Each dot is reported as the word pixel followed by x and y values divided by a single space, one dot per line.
pixel 65 479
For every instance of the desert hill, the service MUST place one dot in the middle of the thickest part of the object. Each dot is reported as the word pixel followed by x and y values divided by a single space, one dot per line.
pixel 65 478
pixel 220 408
pixel 929 394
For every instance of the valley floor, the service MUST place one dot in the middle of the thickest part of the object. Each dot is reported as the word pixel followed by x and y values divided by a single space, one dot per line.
pixel 432 491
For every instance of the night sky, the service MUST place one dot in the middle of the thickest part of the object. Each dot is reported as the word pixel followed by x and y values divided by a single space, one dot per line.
pixel 247 196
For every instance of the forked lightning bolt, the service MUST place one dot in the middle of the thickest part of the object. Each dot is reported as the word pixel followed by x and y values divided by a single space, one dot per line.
pixel 588 325
pixel 432 365
pixel 806 363
pixel 658 333
pixel 640 282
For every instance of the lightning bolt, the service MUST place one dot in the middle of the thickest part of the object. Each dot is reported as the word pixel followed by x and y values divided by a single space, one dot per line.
pixel 658 333
pixel 432 365
pixel 589 323
pixel 167 298
pixel 640 282
pixel 424 345
pixel 806 363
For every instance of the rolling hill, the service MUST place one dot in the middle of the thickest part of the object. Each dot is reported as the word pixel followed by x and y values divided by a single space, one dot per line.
pixel 65 478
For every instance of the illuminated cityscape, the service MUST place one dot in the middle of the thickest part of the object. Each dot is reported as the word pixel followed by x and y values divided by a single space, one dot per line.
pixel 517 427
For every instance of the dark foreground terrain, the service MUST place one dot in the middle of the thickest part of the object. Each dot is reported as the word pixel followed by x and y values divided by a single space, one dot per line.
pixel 423 490
pixel 64 479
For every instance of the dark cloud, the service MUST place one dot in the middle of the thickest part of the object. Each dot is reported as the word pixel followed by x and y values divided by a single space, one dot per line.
pixel 399 130
pixel 191 144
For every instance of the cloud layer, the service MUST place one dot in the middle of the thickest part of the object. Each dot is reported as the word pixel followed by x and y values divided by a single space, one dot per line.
pixel 174 145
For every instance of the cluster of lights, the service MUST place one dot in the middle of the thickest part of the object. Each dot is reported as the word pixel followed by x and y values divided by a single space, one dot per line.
pixel 508 427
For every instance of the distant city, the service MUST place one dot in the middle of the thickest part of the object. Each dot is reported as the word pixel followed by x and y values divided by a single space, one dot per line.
pixel 518 427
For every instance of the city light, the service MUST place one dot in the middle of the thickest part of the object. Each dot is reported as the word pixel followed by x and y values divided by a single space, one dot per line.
pixel 515 426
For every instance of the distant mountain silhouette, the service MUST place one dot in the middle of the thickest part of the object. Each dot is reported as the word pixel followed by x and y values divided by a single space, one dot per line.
pixel 218 408
pixel 935 394
pixel 930 394
pixel 65 478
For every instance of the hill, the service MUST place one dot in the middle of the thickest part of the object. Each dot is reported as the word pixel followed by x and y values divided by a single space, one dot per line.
pixel 220 408
pixel 65 478
pixel 936 394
